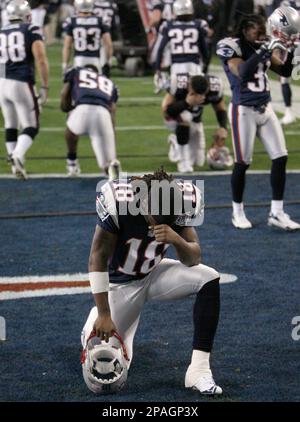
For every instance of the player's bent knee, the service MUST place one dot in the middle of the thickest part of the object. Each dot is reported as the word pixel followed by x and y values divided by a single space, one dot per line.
pixel 31 131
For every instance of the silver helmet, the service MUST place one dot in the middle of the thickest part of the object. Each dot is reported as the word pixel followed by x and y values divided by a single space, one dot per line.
pixel 104 366
pixel 284 23
pixel 183 7
pixel 18 10
pixel 84 6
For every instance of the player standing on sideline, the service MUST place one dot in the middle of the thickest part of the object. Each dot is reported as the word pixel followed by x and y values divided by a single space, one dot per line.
pixel 109 13
pixel 289 117
pixel 162 12
pixel 186 38
pixel 246 60
pixel 84 32
pixel 183 110
pixel 22 47
pixel 127 266
pixel 92 99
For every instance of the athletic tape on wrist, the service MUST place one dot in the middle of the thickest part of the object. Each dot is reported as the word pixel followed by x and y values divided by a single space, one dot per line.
pixel 99 282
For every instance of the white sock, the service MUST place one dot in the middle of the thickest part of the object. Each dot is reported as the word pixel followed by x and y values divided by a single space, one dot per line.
pixel 237 207
pixel 276 207
pixel 10 146
pixel 200 360
pixel 23 145
pixel 288 110
pixel 98 151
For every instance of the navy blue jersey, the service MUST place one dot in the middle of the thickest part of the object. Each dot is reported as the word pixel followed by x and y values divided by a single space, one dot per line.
pixel 88 87
pixel 165 7
pixel 214 95
pixel 86 32
pixel 253 91
pixel 16 50
pixel 108 12
pixel 137 252
pixel 187 42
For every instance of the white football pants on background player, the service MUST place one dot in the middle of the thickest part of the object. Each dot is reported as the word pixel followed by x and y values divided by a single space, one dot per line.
pixel 247 123
pixel 95 121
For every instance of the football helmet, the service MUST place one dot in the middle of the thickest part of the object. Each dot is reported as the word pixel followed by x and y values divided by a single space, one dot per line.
pixel 284 23
pixel 219 158
pixel 193 205
pixel 104 365
pixel 84 6
pixel 18 10
pixel 183 7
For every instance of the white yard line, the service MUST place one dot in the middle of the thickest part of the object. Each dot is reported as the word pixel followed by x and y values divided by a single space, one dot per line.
pixel 103 176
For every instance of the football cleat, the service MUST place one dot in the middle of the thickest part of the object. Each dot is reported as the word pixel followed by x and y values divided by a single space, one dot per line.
pixel 184 166
pixel 10 161
pixel 114 170
pixel 20 171
pixel 288 118
pixel 173 148
pixel 73 168
pixel 240 221
pixel 203 382
pixel 283 221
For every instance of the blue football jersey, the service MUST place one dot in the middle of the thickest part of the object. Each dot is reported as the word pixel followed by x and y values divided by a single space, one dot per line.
pixel 108 12
pixel 137 252
pixel 88 87
pixel 253 91
pixel 16 51
pixel 86 32
pixel 187 42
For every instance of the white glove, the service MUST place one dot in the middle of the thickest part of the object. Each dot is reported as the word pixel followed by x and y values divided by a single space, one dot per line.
pixel 43 95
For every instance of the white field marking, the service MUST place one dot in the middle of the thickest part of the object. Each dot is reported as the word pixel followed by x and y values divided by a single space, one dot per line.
pixel 8 295
pixel 45 292
pixel 44 278
pixel 275 86
pixel 137 128
pixel 123 100
pixel 104 176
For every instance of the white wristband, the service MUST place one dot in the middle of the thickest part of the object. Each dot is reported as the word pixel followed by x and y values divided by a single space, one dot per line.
pixel 99 282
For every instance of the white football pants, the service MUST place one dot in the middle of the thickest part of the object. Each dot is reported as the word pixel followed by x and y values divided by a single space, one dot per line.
pixel 170 280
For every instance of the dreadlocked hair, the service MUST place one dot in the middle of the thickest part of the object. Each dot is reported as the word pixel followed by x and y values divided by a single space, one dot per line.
pixel 159 175
pixel 246 22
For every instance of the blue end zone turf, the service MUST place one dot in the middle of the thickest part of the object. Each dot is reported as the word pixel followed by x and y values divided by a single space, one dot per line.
pixel 254 359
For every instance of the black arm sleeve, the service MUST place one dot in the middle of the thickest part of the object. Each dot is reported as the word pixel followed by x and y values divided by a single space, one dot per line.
pixel 247 69
pixel 174 109
pixel 286 69
pixel 222 118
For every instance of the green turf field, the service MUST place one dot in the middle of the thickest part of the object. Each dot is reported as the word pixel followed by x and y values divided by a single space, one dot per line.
pixel 139 149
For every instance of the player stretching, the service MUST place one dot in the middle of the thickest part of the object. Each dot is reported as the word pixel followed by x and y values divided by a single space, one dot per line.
pixel 92 99
pixel 21 47
pixel 246 60
pixel 127 268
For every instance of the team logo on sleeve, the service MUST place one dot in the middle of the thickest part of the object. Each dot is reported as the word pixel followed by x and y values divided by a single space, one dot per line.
pixel 100 207
pixel 224 51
